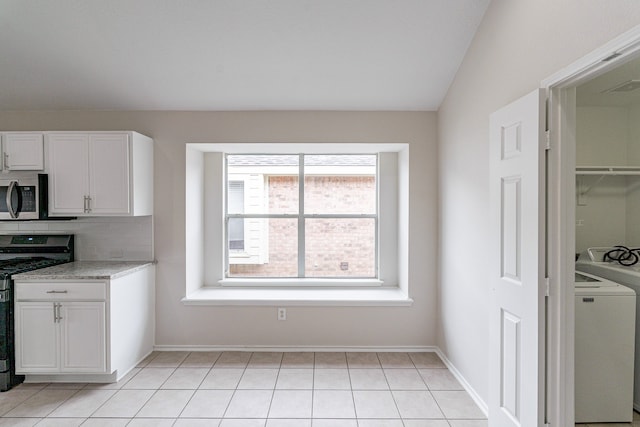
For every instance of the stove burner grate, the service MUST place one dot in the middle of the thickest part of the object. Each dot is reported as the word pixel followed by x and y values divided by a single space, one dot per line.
pixel 20 265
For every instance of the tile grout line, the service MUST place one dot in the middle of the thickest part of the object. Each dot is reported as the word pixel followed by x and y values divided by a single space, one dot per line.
pixel 430 393
pixel 384 373
pixel 156 389
pixel 273 392
pixel 313 384
pixel 192 394
pixel 199 384
pixel 51 411
pixel 117 390
pixel 353 398
pixel 236 389
pixel 390 391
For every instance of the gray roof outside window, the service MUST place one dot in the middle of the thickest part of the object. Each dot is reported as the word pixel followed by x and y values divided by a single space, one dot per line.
pixel 310 160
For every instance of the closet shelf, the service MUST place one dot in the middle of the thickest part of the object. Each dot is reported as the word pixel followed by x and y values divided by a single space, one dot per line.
pixel 607 170
pixel 601 172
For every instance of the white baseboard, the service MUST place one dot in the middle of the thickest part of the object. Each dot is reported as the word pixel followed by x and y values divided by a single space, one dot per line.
pixel 406 349
pixel 474 395
pixel 286 348
pixel 70 378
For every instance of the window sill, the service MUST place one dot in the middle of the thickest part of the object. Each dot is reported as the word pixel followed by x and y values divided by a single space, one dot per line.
pixel 377 297
pixel 304 283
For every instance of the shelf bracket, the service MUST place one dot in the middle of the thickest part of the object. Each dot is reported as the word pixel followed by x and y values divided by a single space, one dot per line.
pixel 585 191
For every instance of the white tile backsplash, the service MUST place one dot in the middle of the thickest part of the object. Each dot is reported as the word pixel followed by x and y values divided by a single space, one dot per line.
pixel 99 238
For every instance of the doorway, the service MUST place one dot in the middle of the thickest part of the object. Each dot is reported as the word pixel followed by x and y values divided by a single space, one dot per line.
pixel 589 103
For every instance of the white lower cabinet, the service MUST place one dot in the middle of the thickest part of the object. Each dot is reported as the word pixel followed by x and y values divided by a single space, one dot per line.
pixel 83 330
pixel 61 337
pixel 82 337
pixel 38 345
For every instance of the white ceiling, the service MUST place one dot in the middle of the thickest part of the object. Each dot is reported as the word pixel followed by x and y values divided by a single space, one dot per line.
pixel 232 54
pixel 596 92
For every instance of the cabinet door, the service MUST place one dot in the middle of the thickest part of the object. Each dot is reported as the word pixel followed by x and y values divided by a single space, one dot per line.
pixel 109 174
pixel 36 338
pixel 23 151
pixel 83 337
pixel 69 177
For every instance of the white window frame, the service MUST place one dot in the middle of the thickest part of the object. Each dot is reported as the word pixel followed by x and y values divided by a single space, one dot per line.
pixel 301 216
pixel 204 241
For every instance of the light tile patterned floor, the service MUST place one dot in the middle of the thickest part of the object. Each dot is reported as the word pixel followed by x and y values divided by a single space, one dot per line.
pixel 265 389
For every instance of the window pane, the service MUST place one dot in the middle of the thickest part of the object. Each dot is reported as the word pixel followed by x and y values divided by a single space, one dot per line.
pixel 283 194
pixel 340 247
pixel 236 234
pixel 270 182
pixel 235 197
pixel 340 184
pixel 270 249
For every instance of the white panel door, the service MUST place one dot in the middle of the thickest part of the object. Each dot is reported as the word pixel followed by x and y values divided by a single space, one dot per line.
pixel 83 337
pixel 36 337
pixel 109 174
pixel 23 151
pixel 516 376
pixel 69 177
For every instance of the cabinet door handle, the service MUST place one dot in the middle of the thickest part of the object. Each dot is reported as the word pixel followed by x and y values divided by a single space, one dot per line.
pixel 56 312
pixel 6 161
pixel 57 292
pixel 87 204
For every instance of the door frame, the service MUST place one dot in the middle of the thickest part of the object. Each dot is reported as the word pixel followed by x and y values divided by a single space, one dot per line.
pixel 560 253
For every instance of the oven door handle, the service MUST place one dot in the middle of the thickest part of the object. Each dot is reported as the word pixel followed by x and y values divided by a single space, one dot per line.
pixel 12 211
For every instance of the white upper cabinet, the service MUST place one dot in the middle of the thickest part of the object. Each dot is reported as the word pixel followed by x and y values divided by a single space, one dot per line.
pixel 100 174
pixel 109 174
pixel 23 151
pixel 68 173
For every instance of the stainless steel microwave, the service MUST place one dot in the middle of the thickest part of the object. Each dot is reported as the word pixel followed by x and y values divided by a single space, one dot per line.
pixel 23 198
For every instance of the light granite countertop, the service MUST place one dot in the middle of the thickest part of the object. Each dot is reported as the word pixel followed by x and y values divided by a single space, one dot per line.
pixel 84 270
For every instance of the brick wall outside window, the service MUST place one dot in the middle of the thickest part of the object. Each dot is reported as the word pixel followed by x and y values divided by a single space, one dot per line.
pixel 334 247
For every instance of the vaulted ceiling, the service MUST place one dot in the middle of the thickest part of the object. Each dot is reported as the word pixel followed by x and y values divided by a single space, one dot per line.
pixel 232 54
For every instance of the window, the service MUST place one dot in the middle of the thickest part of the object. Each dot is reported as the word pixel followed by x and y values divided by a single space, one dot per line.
pixel 301 216
pixel 207 254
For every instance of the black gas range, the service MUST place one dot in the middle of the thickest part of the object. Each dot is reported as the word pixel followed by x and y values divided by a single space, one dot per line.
pixel 20 253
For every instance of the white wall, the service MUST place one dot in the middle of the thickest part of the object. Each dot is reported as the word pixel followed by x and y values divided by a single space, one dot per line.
pixel 610 213
pixel 633 183
pixel 602 139
pixel 518 44
pixel 306 326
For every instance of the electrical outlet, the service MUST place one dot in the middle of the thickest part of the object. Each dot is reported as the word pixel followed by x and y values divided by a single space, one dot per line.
pixel 282 314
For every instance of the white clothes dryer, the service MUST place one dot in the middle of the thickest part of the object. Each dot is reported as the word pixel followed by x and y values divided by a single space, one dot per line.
pixel 604 350
pixel 592 261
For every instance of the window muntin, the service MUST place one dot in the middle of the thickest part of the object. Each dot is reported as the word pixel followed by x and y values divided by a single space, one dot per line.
pixel 334 212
